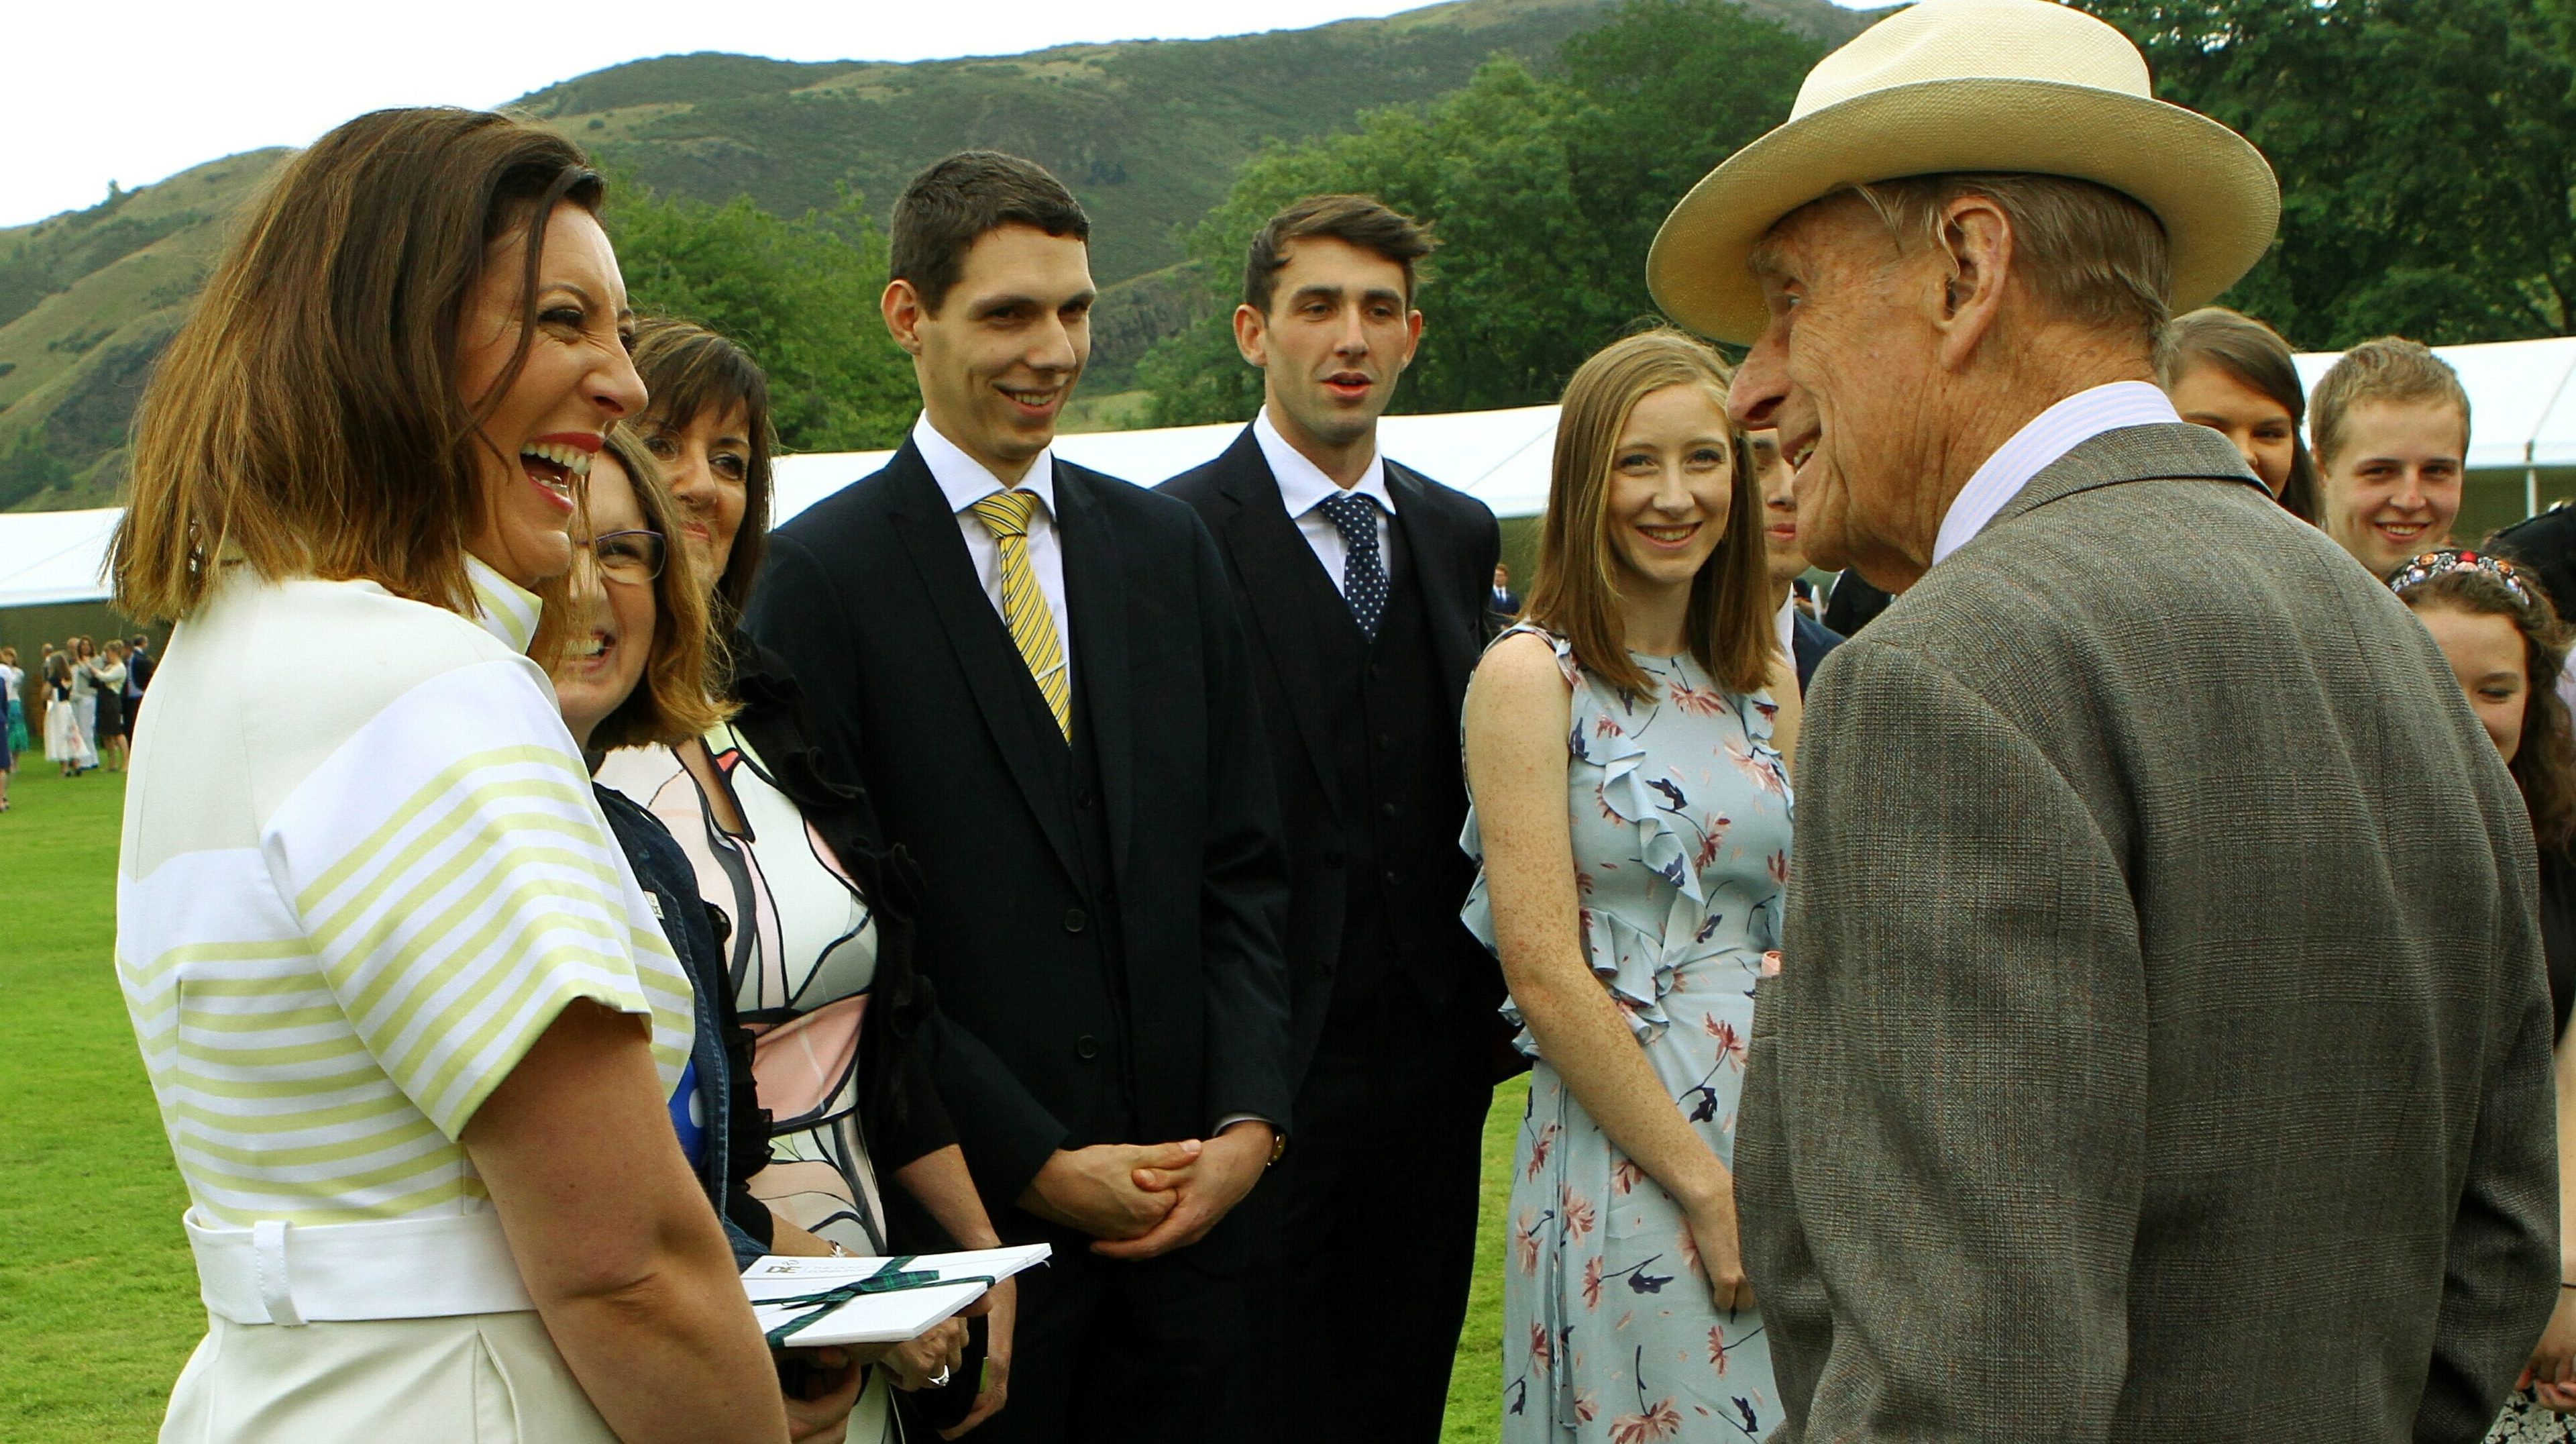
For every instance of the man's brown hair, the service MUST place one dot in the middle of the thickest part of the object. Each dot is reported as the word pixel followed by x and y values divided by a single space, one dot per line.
pixel 676 697
pixel 1575 594
pixel 305 419
pixel 958 200
pixel 1360 221
pixel 2390 368
pixel 688 371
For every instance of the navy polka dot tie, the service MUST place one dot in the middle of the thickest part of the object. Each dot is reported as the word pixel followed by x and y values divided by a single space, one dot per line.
pixel 1354 515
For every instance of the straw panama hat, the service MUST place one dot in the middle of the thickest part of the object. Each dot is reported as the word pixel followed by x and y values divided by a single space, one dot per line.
pixel 1971 85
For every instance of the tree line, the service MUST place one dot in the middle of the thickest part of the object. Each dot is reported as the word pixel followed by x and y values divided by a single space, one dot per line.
pixel 2426 149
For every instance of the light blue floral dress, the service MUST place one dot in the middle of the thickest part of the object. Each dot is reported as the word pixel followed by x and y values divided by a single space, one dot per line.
pixel 1681 854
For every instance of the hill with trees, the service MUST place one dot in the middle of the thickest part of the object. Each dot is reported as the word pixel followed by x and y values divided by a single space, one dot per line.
pixel 1148 133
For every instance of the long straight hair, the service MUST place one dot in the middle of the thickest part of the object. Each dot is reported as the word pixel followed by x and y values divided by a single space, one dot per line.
pixel 1576 592
pixel 2256 357
pixel 305 419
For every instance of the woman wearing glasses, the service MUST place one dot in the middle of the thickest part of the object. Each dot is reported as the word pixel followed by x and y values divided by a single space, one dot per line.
pixel 818 954
pixel 634 673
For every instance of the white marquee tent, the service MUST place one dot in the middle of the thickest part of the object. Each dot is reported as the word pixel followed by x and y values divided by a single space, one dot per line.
pixel 2523 394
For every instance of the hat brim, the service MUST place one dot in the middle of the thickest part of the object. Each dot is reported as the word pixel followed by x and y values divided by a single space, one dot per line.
pixel 2212 190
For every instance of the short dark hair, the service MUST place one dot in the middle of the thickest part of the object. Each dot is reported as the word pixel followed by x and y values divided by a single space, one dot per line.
pixel 956 201
pixel 1361 221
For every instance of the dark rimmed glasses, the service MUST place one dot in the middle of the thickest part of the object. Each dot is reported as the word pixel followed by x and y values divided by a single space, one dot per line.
pixel 628 556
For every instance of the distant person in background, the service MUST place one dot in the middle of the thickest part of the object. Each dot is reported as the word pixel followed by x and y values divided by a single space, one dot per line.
pixel 1505 603
pixel 1802 638
pixel 13 721
pixel 1356 578
pixel 84 657
pixel 2504 642
pixel 823 925
pixel 2391 422
pixel 109 672
pixel 138 675
pixel 64 744
pixel 1631 827
pixel 2234 375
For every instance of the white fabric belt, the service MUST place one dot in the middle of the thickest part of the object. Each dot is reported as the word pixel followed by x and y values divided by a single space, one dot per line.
pixel 415 1268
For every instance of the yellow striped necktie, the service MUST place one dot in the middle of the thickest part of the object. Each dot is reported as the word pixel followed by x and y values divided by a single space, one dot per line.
pixel 1006 515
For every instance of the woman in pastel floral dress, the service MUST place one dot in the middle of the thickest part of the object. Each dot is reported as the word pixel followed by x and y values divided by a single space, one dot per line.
pixel 1631 823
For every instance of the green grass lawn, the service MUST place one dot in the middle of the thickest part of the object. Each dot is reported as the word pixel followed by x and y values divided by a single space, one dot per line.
pixel 98 1301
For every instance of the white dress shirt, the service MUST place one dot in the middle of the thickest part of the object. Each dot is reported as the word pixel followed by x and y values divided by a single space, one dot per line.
pixel 1784 624
pixel 1303 488
pixel 2051 434
pixel 964 481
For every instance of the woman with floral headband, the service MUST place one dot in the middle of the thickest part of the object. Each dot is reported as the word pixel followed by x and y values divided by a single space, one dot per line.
pixel 2506 644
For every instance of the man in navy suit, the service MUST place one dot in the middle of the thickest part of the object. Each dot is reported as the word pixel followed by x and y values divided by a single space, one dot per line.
pixel 1038 674
pixel 1805 639
pixel 1366 588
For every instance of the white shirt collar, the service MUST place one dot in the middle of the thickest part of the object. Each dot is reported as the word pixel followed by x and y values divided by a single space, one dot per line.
pixel 2051 434
pixel 501 606
pixel 1303 485
pixel 1784 624
pixel 964 481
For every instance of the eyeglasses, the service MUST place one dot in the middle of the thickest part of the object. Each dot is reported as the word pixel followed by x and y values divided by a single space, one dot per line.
pixel 628 556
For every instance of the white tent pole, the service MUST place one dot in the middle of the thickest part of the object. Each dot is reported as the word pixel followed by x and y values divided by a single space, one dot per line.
pixel 2531 443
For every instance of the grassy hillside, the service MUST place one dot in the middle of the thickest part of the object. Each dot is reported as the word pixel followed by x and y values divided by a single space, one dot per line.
pixel 1148 133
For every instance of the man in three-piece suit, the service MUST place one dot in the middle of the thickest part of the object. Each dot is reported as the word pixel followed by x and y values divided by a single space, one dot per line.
pixel 1365 587
pixel 1038 672
pixel 2160 1047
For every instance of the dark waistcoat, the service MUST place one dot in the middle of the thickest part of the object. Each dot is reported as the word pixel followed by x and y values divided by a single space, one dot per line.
pixel 1105 1047
pixel 1397 768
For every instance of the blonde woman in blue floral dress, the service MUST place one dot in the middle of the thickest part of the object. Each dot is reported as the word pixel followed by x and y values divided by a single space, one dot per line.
pixel 1631 823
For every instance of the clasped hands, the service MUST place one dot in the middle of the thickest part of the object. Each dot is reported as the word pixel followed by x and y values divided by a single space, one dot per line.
pixel 1142 1200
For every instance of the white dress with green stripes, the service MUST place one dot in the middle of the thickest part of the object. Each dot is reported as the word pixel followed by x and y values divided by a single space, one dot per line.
pixel 348 902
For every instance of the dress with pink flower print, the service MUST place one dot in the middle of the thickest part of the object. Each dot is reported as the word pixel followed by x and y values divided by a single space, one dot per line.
pixel 1681 852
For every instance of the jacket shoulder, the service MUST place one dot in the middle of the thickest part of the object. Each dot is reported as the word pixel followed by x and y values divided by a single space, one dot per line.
pixel 856 505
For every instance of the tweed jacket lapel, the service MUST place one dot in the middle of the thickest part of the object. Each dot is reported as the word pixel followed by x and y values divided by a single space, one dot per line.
pixel 2171 451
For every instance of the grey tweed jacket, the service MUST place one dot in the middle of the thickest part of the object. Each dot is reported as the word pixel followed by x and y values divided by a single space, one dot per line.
pixel 2162 1047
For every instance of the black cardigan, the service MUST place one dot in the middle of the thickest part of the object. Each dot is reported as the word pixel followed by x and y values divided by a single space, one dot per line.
pixel 899 1109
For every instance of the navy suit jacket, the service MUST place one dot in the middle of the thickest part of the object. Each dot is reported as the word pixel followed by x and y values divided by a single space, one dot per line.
pixel 915 690
pixel 1810 640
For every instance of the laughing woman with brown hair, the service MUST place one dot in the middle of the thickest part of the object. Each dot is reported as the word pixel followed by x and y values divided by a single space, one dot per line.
pixel 417 1038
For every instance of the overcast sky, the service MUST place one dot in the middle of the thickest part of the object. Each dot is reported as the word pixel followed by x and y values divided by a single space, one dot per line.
pixel 136 90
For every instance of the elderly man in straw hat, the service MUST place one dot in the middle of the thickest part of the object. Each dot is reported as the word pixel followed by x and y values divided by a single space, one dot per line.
pixel 2161 1044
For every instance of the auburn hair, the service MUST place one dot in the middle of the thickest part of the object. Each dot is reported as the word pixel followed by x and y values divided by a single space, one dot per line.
pixel 1576 591
pixel 305 419
pixel 690 371
pixel 678 696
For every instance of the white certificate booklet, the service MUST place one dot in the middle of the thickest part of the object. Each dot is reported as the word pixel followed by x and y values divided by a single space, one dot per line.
pixel 808 1302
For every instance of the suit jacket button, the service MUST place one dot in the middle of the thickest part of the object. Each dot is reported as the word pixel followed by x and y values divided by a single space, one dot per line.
pixel 1332 857
pixel 1387 807
pixel 1393 877
pixel 1074 921
pixel 1082 798
pixel 1086 1047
